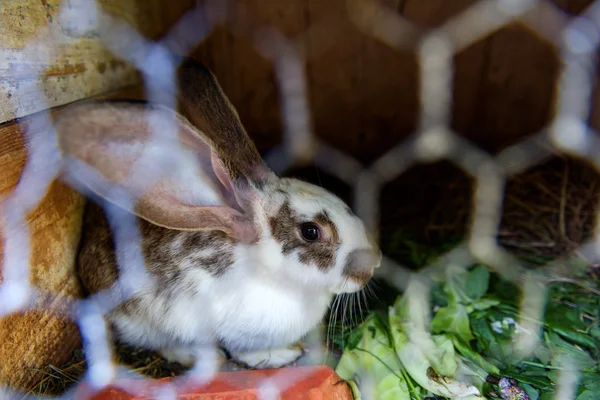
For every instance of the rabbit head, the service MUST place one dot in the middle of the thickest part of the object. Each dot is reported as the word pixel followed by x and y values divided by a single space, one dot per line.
pixel 202 172
pixel 312 237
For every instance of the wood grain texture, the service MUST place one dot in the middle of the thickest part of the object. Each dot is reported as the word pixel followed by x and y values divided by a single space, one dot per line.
pixel 364 95
pixel 82 65
pixel 517 92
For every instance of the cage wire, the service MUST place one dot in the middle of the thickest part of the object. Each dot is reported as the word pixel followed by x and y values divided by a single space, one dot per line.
pixel 433 140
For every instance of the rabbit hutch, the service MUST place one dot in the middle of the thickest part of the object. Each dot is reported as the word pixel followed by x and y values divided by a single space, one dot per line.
pixel 461 134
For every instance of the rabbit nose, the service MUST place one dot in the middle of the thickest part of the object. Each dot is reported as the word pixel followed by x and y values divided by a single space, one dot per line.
pixel 361 263
pixel 379 256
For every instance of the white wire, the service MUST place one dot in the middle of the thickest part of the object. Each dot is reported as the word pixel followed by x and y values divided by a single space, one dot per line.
pixel 434 140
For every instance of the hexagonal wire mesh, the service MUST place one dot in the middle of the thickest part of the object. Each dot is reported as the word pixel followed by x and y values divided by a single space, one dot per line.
pixel 433 140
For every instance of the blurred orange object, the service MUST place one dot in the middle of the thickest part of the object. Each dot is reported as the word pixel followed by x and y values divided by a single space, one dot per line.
pixel 297 383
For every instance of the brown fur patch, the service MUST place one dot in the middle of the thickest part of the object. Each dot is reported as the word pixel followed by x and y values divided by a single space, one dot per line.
pixel 164 260
pixel 159 258
pixel 219 262
pixel 97 265
pixel 130 306
pixel 284 227
pixel 216 264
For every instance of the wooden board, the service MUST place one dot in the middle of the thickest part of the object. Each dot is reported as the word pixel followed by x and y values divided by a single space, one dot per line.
pixel 82 66
pixel 364 95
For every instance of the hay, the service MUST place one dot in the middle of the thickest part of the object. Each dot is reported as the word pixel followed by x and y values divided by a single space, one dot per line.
pixel 551 210
pixel 548 210
pixel 57 379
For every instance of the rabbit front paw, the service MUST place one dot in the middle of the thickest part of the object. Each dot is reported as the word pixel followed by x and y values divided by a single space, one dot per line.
pixel 272 358
pixel 189 356
pixel 185 356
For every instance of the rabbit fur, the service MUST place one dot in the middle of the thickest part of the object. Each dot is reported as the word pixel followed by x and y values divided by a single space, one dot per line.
pixel 233 254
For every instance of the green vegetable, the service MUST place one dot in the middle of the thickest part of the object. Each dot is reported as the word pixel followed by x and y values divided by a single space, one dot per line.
pixel 591 381
pixel 429 360
pixel 589 395
pixel 478 281
pixel 453 319
pixel 373 360
pixel 477 358
pixel 456 339
pixel 415 360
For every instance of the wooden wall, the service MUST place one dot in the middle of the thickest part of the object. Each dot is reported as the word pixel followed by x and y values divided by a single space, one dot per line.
pixel 364 94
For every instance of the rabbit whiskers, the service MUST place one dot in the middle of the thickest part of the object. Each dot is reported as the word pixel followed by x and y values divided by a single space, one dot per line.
pixel 354 307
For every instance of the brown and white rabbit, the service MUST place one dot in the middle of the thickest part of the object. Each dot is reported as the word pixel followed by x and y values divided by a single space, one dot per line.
pixel 236 254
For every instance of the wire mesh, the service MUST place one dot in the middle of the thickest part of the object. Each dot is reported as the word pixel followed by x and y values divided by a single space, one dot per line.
pixel 433 140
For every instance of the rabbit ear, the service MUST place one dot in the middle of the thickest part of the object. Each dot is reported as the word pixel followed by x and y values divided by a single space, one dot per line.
pixel 189 192
pixel 207 107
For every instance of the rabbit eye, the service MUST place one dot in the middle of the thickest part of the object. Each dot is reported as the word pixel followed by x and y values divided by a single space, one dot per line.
pixel 310 232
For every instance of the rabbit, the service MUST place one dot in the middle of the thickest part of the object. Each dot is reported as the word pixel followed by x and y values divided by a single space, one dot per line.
pixel 235 254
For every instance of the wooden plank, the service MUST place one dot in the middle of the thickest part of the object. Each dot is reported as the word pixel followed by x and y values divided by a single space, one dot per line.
pixel 517 93
pixel 433 13
pixel 83 66
pixel 575 6
pixel 168 13
pixel 363 92
pixel 503 83
pixel 358 86
pixel 468 64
